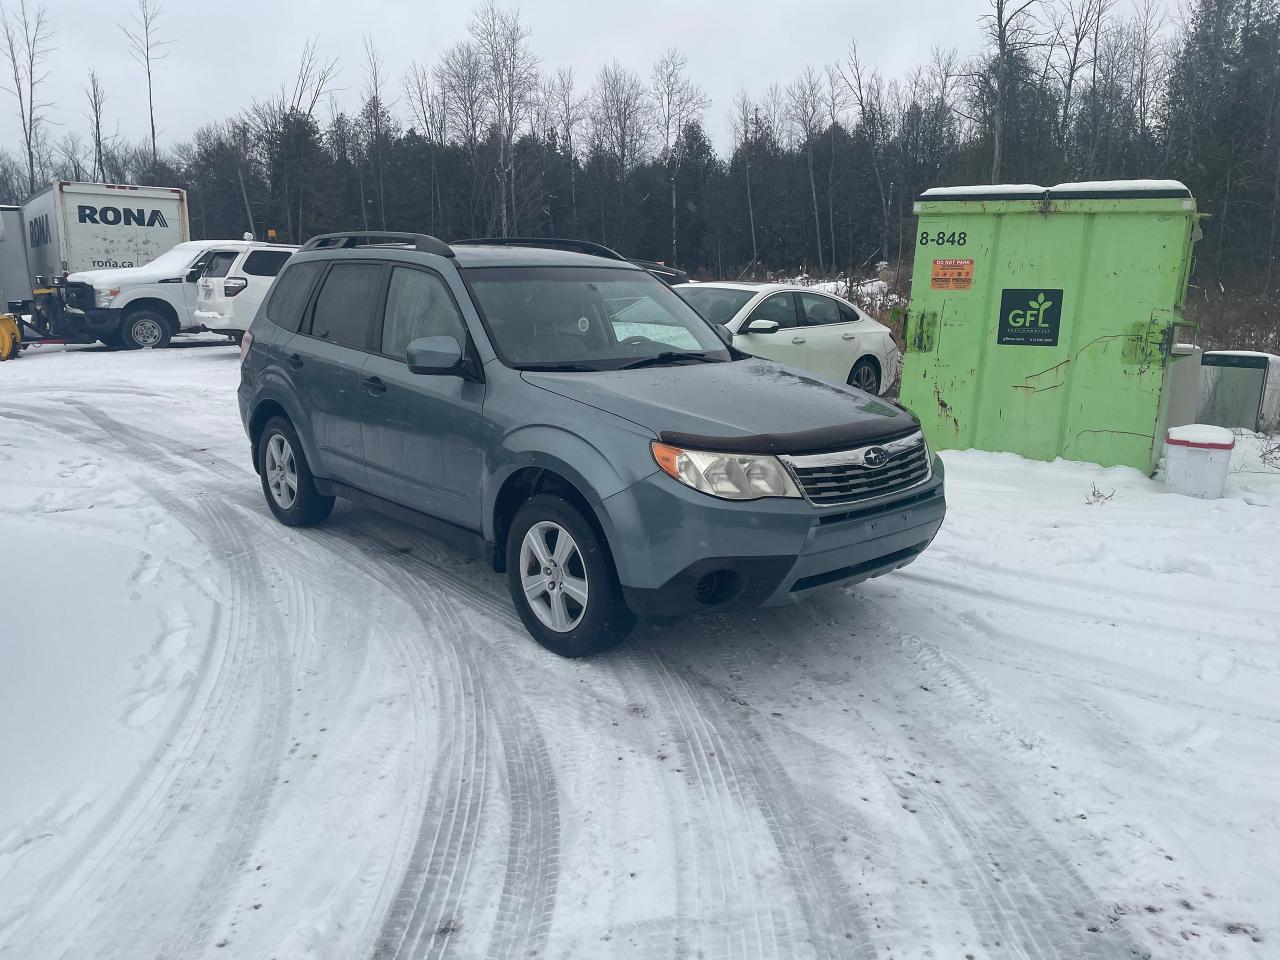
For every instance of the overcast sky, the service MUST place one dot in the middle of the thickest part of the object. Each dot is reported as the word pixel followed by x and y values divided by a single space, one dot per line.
pixel 227 53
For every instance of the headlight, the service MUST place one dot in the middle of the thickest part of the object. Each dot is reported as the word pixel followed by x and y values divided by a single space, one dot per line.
pixel 103 297
pixel 732 476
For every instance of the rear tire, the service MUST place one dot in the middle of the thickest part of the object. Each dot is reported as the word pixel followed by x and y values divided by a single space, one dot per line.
pixel 144 330
pixel 287 482
pixel 865 377
pixel 567 593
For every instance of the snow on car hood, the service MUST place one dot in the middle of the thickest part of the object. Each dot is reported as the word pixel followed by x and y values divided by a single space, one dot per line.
pixel 744 406
pixel 124 275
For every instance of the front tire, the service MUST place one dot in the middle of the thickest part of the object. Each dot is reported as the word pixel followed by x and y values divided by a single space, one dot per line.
pixel 287 482
pixel 144 330
pixel 864 376
pixel 562 580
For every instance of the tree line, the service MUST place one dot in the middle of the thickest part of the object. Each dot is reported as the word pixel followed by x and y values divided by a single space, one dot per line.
pixel 819 176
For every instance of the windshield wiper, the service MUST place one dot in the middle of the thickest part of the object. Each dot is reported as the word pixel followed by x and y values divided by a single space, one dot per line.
pixel 667 357
pixel 553 367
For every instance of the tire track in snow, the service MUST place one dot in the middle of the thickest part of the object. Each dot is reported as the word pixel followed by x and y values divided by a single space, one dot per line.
pixel 531 869
pixel 745 768
pixel 160 812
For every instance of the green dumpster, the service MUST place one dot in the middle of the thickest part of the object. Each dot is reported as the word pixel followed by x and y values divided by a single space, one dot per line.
pixel 1044 321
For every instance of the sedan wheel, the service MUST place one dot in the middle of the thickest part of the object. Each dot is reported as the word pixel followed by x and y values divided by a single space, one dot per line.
pixel 864 377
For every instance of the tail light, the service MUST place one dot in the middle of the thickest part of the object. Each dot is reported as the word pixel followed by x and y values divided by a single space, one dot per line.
pixel 233 285
pixel 246 341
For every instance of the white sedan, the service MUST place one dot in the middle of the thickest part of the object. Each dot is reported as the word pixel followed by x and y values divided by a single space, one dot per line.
pixel 803 328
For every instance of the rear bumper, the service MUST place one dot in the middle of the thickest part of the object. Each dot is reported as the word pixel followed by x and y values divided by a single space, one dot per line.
pixel 213 320
pixel 700 555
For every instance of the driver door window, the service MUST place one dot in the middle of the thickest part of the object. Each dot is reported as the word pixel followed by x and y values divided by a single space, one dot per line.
pixel 780 308
pixel 779 345
pixel 418 305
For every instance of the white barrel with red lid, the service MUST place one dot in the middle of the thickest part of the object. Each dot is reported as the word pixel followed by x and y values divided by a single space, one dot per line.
pixel 1198 459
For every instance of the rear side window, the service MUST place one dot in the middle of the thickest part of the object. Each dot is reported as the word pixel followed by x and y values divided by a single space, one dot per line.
pixel 819 311
pixel 265 263
pixel 345 304
pixel 289 295
pixel 418 305
pixel 219 264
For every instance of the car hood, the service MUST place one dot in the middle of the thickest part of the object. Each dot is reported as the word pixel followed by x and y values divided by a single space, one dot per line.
pixel 747 406
pixel 122 276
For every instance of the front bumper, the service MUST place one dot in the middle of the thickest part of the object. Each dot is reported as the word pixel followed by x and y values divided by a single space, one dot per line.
pixel 87 325
pixel 680 552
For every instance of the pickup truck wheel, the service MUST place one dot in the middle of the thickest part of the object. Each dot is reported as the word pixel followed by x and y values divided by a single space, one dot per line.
pixel 562 581
pixel 863 376
pixel 143 330
pixel 286 479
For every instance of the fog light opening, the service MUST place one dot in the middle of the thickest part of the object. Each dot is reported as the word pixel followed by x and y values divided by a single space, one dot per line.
pixel 717 587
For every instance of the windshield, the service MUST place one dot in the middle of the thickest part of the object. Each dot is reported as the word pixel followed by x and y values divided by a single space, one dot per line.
pixel 716 304
pixel 177 259
pixel 588 318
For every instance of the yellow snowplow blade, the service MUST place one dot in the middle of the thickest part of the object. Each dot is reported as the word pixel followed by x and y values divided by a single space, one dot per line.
pixel 10 336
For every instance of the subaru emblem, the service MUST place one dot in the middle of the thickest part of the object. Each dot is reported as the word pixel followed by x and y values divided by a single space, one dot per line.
pixel 875 456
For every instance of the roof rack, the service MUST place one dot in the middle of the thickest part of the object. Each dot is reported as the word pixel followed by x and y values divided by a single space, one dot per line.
pixel 369 238
pixel 551 243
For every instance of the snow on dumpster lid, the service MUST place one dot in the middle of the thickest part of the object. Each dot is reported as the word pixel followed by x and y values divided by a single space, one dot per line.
pixel 986 191
pixel 1085 190
pixel 1115 189
pixel 1202 436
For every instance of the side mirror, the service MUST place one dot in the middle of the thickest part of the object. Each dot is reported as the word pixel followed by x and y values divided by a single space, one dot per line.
pixel 435 355
pixel 193 275
pixel 760 326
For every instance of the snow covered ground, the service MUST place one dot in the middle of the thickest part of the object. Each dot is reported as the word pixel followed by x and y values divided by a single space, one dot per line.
pixel 1057 735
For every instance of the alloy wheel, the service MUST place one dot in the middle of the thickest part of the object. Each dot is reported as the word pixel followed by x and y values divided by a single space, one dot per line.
pixel 553 576
pixel 282 471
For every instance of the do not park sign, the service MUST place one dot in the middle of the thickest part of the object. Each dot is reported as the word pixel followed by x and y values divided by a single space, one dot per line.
pixel 1030 317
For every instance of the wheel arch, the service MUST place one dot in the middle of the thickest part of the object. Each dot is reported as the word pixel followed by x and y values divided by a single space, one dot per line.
pixel 529 480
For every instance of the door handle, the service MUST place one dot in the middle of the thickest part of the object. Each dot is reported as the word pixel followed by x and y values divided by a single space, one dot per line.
pixel 797 339
pixel 374 384
pixel 848 336
pixel 295 361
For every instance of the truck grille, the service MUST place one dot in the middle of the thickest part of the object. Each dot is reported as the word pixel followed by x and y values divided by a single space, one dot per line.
pixel 865 473
pixel 78 295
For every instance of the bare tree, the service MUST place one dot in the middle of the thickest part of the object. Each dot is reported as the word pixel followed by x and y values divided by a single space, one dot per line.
pixel 805 111
pixel 743 118
pixel 97 97
pixel 570 110
pixel 28 36
pixel 1011 28
pixel 620 118
pixel 677 101
pixel 835 99
pixel 376 107
pixel 460 76
pixel 427 104
pixel 313 80
pixel 147 48
pixel 867 91
pixel 511 82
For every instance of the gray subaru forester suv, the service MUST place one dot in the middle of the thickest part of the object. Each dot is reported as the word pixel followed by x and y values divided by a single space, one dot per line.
pixel 569 416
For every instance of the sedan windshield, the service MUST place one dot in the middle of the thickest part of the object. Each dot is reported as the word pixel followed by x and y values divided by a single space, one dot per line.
pixel 589 318
pixel 716 304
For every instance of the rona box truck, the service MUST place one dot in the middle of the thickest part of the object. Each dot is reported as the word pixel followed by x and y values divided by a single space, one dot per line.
pixel 78 231
pixel 95 226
